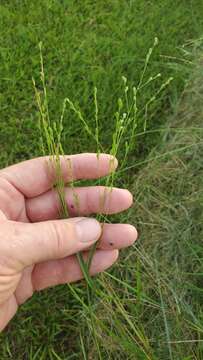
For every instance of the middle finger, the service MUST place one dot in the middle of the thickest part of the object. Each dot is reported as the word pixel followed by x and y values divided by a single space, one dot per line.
pixel 81 201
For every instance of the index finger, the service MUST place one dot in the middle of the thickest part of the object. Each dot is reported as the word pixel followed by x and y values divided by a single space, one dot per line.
pixel 34 177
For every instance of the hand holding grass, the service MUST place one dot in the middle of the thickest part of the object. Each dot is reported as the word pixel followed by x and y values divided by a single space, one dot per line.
pixel 37 250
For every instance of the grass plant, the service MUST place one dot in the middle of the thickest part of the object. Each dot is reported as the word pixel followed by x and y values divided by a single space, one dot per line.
pixel 125 117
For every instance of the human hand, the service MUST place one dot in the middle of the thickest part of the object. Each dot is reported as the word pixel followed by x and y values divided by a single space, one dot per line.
pixel 37 250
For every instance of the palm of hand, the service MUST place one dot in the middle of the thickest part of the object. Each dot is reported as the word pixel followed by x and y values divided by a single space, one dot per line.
pixel 15 287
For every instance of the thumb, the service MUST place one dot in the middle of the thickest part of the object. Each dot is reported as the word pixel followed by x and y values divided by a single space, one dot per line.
pixel 26 244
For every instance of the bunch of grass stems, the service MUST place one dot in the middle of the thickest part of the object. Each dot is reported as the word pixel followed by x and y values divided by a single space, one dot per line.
pixel 126 119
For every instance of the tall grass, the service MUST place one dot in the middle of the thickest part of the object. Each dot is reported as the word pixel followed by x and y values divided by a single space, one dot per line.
pixel 127 119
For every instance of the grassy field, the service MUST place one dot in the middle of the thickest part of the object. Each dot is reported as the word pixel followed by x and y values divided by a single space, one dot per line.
pixel 150 302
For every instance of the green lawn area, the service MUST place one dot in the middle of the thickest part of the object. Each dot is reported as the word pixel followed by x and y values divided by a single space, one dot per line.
pixel 150 304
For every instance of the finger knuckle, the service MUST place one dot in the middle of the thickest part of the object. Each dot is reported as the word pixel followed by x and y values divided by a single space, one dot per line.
pixel 62 233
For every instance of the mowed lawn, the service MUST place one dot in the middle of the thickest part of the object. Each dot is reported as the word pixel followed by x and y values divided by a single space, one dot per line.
pixel 150 304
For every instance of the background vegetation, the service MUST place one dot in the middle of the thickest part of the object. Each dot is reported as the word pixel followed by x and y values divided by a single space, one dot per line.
pixel 150 303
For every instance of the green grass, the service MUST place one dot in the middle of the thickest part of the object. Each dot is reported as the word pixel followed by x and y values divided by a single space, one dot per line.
pixel 86 44
pixel 149 305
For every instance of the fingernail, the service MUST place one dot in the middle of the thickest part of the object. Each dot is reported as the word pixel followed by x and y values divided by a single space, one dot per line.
pixel 88 230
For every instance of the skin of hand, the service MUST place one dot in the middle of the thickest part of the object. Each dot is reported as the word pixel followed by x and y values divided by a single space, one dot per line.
pixel 37 249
